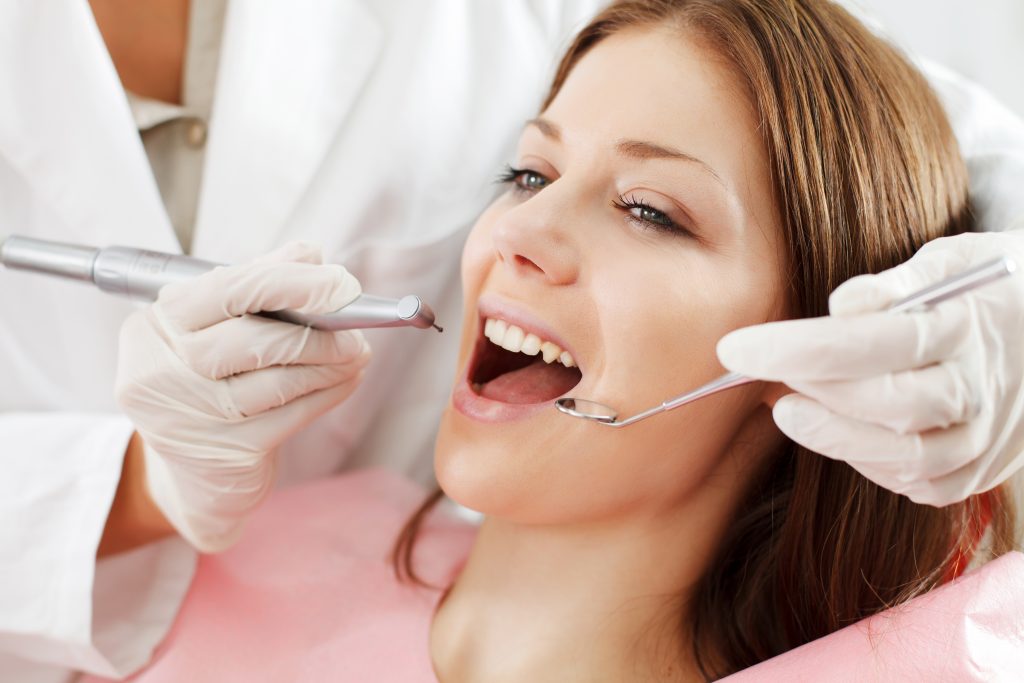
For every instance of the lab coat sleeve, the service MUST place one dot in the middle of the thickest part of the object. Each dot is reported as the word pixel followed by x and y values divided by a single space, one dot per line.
pixel 58 606
pixel 991 140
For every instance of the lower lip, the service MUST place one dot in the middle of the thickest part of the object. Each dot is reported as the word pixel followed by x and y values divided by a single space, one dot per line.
pixel 476 407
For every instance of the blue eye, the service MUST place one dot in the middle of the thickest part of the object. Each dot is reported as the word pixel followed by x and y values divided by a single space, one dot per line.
pixel 529 180
pixel 647 216
pixel 524 179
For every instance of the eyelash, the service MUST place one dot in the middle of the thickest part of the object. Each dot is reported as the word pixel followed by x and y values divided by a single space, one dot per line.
pixel 627 203
pixel 511 175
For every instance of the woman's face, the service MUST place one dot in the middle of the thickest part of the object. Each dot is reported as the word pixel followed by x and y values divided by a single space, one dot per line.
pixel 638 228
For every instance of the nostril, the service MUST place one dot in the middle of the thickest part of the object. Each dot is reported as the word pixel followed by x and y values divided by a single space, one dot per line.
pixel 524 262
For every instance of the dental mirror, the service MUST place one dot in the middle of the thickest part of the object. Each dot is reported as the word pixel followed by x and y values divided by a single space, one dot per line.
pixel 972 278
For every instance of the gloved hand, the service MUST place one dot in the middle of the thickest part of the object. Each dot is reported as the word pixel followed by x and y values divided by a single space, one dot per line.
pixel 213 392
pixel 927 404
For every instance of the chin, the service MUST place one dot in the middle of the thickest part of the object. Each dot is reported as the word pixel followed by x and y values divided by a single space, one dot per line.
pixel 497 436
pixel 469 468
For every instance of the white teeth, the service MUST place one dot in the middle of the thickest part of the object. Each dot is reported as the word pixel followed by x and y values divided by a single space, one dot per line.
pixel 514 338
pixel 550 351
pixel 531 345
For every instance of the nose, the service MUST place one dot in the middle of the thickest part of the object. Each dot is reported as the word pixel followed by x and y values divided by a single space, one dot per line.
pixel 535 241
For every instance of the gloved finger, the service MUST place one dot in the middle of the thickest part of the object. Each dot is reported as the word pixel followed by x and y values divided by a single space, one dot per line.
pixel 255 393
pixel 298 413
pixel 830 348
pixel 295 251
pixel 958 485
pixel 868 293
pixel 910 457
pixel 922 493
pixel 946 490
pixel 249 343
pixel 935 396
pixel 232 291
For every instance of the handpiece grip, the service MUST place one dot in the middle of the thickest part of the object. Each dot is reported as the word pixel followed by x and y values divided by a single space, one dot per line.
pixel 141 274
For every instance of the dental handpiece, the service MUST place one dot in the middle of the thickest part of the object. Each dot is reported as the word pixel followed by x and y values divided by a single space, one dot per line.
pixel 140 274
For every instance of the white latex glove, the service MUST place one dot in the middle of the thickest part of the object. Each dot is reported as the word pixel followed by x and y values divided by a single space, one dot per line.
pixel 926 404
pixel 213 392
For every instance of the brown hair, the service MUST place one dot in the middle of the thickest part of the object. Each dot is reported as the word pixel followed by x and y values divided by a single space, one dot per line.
pixel 865 170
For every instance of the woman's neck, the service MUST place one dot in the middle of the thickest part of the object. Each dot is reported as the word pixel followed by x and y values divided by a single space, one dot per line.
pixel 595 602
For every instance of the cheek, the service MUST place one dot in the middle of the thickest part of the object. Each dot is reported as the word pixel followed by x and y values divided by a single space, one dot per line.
pixel 660 330
pixel 660 343
pixel 675 315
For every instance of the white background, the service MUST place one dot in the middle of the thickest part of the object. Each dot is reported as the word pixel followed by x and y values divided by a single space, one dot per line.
pixel 982 39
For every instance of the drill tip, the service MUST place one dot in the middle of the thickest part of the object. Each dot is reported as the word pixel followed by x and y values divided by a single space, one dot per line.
pixel 437 327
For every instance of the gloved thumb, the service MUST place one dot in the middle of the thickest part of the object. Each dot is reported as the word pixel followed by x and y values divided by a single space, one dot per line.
pixel 870 293
pixel 761 351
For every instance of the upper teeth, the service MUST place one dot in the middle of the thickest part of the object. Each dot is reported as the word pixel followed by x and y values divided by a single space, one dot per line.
pixel 513 338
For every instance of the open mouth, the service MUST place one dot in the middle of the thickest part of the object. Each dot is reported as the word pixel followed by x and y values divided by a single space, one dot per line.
pixel 514 366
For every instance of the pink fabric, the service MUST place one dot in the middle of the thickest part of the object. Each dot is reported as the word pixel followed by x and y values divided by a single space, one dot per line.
pixel 969 630
pixel 309 593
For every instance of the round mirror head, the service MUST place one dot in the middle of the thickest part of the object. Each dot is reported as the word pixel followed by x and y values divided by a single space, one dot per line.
pixel 587 410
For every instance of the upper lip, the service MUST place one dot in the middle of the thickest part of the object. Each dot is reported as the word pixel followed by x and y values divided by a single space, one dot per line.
pixel 493 306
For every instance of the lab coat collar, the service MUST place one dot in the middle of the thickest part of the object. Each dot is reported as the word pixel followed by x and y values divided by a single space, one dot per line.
pixel 289 73
pixel 66 128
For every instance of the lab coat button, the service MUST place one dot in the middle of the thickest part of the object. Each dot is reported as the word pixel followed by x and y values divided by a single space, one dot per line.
pixel 195 133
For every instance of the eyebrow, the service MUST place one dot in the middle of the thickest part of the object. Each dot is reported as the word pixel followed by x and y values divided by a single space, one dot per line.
pixel 634 149
pixel 638 149
pixel 547 128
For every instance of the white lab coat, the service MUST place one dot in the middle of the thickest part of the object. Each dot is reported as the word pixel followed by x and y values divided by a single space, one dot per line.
pixel 371 128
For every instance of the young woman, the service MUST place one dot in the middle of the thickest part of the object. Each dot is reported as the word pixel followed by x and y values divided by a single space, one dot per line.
pixel 699 166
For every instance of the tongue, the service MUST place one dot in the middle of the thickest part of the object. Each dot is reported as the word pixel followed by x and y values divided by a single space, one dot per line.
pixel 536 383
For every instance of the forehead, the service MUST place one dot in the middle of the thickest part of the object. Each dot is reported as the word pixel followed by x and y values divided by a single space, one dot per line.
pixel 662 85
pixel 660 61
